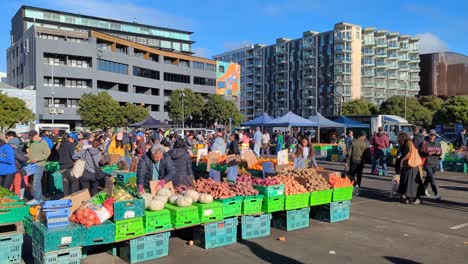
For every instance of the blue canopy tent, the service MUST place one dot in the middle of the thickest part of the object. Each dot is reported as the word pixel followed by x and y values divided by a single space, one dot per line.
pixel 290 120
pixel 259 121
pixel 322 121
pixel 350 123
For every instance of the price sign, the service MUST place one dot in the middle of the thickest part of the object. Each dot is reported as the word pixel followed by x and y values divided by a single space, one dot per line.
pixel 268 169
pixel 215 175
pixel 232 173
pixel 283 157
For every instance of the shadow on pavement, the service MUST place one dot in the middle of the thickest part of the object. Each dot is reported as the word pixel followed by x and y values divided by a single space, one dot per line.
pixel 455 188
pixel 450 180
pixel 446 204
pixel 267 255
pixel 397 260
pixel 376 194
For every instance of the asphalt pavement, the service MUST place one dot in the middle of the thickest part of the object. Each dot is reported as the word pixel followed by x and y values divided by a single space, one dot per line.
pixel 380 230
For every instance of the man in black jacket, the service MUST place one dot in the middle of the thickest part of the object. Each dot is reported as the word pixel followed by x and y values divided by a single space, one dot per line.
pixel 65 154
pixel 155 165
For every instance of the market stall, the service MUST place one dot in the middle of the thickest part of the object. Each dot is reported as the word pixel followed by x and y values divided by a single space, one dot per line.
pixel 258 121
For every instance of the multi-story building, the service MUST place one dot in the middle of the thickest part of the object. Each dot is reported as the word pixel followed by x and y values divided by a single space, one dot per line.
pixel 444 74
pixel 321 71
pixel 62 56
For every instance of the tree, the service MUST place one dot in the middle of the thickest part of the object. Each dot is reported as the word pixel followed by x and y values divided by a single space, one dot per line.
pixel 359 107
pixel 193 106
pixel 100 111
pixel 133 113
pixel 415 112
pixel 13 111
pixel 218 109
pixel 453 110
pixel 432 103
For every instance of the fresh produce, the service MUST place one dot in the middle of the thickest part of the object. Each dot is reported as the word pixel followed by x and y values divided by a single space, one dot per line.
pixel 205 198
pixel 173 199
pixel 244 178
pixel 161 198
pixel 5 192
pixel 242 188
pixel 164 192
pixel 156 205
pixel 184 201
pixel 291 186
pixel 311 179
pixel 216 189
pixel 147 198
pixel 338 182
pixel 122 195
pixel 192 194
pixel 86 217
pixel 183 188
pixel 268 181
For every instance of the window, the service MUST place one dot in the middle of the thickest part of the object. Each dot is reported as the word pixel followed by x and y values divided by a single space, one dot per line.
pixel 145 73
pixel 221 69
pixel 166 44
pixel 204 81
pixel 184 63
pixel 176 46
pixel 210 67
pixel 185 47
pixel 198 65
pixel 154 108
pixel 110 66
pixel 173 77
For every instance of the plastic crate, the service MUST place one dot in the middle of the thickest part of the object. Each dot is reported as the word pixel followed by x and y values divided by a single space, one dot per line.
pixel 254 226
pixel 55 182
pixel 99 234
pixel 125 176
pixel 296 201
pixel 30 169
pixel 10 249
pixel 28 225
pixel 219 167
pixel 129 228
pixel 333 212
pixel 183 216
pixel 273 204
pixel 232 206
pixel 13 214
pixel 57 212
pixel 216 234
pixel 256 173
pixel 52 166
pixel 211 212
pixel 157 221
pixel 52 239
pixel 321 197
pixel 252 204
pixel 292 219
pixel 69 256
pixel 270 191
pixel 342 194
pixel 145 248
pixel 129 209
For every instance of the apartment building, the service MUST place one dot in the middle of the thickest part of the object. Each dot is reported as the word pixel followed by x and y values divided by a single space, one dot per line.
pixel 62 61
pixel 320 71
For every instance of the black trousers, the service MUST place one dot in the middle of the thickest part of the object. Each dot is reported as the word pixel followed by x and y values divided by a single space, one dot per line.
pixel 7 180
pixel 88 181
pixel 355 171
pixel 430 178
pixel 70 184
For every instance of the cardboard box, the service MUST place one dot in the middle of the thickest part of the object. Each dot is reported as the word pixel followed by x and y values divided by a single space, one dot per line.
pixel 77 199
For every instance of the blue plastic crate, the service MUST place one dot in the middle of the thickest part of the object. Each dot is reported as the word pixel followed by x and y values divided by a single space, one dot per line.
pixel 254 226
pixel 333 212
pixel 216 234
pixel 69 256
pixel 53 239
pixel 57 212
pixel 30 169
pixel 55 204
pixel 145 248
pixel 292 219
pixel 10 248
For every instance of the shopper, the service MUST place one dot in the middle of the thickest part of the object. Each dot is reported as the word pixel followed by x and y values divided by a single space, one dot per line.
pixel 65 153
pixel 410 187
pixel 419 137
pixel 257 141
pixel 116 146
pixel 20 161
pixel 460 139
pixel 39 151
pixel 380 143
pixel 305 155
pixel 7 165
pixel 233 147
pixel 355 158
pixel 265 143
pixel 92 157
pixel 349 139
pixel 219 144
pixel 183 165
pixel 432 150
pixel 155 165
pixel 279 141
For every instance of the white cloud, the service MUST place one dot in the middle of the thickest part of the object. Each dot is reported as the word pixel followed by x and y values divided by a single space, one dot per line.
pixel 236 45
pixel 202 52
pixel 430 43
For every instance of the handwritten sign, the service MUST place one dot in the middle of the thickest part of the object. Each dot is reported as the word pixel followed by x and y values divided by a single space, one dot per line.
pixel 250 157
pixel 212 158
pixel 268 169
pixel 201 153
pixel 215 175
pixel 232 173
pixel 154 186
pixel 283 157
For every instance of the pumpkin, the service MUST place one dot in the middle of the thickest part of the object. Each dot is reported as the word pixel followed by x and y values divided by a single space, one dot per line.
pixel 205 198
pixel 192 194
pixel 161 198
pixel 184 201
pixel 165 192
pixel 173 198
pixel 147 198
pixel 156 205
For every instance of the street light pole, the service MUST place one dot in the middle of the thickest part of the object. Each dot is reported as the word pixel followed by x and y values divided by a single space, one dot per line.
pixel 182 95
pixel 53 92
pixel 405 102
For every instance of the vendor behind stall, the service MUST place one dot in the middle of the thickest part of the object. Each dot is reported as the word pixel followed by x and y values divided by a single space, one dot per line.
pixel 155 165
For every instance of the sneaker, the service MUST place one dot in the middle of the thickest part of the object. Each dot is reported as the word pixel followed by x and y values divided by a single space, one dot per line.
pixel 33 202
pixel 438 197
pixel 427 193
pixel 356 190
pixel 417 201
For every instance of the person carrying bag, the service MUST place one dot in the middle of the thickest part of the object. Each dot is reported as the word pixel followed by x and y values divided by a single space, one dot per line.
pixel 92 173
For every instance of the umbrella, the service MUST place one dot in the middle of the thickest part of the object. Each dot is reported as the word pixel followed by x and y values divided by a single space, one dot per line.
pixel 150 122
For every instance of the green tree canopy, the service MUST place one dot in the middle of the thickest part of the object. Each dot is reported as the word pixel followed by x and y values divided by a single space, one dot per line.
pixel 218 109
pixel 13 111
pixel 99 111
pixel 415 112
pixel 453 110
pixel 359 107
pixel 133 113
pixel 193 107
pixel 433 103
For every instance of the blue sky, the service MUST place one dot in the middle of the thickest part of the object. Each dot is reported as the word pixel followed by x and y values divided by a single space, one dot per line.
pixel 223 25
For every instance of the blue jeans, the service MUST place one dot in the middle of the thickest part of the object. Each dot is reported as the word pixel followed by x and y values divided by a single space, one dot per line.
pixel 37 182
pixel 257 149
pixel 379 159
pixel 430 179
pixel 441 165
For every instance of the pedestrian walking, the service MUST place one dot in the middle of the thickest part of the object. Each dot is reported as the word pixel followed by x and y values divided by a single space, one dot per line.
pixel 349 139
pixel 279 141
pixel 65 155
pixel 355 158
pixel 431 150
pixel 380 143
pixel 265 143
pixel 411 185
pixel 92 156
pixel 39 151
pixel 257 141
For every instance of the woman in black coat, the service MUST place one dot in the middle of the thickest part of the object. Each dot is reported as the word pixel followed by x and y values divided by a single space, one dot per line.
pixel 182 163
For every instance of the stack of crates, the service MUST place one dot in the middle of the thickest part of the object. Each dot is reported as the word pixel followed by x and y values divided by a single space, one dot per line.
pixel 11 245
pixel 145 248
pixel 55 182
pixel 273 200
pixel 57 212
pixel 128 219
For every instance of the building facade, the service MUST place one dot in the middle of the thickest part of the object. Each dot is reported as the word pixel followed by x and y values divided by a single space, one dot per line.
pixel 62 64
pixel 444 74
pixel 320 71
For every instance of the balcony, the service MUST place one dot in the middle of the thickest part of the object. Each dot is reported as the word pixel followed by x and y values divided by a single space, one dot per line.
pixel 392 75
pixel 280 50
pixel 342 49
pixel 414 69
pixel 393 47
pixel 414 51
pixel 381 84
pixel 249 72
pixel 404 68
pixel 342 38
pixel 308 55
pixel 368 94
pixel 414 59
pixel 380 94
pixel 380 75
pixel 381 54
pixel 404 58
pixel 381 65
pixel 368 43
pixel 368 74
pixel 381 44
pixel 248 80
pixel 368 84
pixel 414 78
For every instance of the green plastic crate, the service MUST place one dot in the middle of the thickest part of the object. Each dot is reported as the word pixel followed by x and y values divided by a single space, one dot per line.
pixel 292 219
pixel 125 176
pixel 270 191
pixel 69 256
pixel 157 221
pixel 219 167
pixel 129 209
pixel 342 194
pixel 296 201
pixel 129 228
pixel 232 206
pixel 252 204
pixel 254 226
pixel 11 248
pixel 55 182
pixel 12 215
pixel 321 197
pixel 57 238
pixel 273 204
pixel 215 235
pixel 51 166
pixel 28 225
pixel 211 212
pixel 99 234
pixel 145 248
pixel 183 216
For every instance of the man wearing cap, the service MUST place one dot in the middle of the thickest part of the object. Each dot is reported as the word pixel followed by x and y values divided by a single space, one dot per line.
pixel 38 153
pixel 65 153
pixel 431 149
pixel 355 158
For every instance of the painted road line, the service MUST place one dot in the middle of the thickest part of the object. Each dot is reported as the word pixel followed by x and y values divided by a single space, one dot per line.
pixel 459 226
